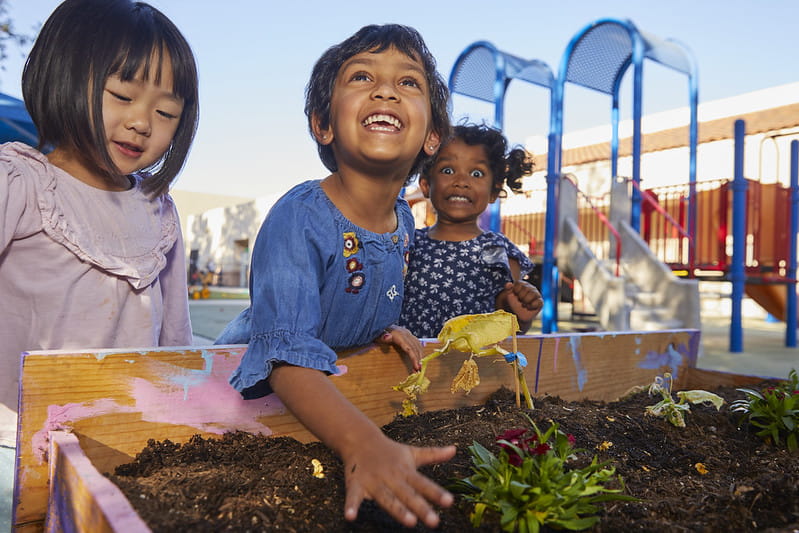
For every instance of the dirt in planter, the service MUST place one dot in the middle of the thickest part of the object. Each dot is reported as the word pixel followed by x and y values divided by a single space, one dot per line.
pixel 243 482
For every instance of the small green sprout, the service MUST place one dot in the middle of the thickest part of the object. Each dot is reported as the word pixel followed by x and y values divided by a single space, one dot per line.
pixel 673 411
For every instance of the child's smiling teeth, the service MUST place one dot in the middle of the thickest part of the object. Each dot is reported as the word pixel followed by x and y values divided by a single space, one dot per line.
pixel 457 198
pixel 392 122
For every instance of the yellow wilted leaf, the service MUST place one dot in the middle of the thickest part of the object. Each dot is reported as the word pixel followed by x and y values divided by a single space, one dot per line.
pixel 700 396
pixel 413 385
pixel 409 407
pixel 469 333
pixel 318 469
pixel 702 469
pixel 604 446
pixel 467 378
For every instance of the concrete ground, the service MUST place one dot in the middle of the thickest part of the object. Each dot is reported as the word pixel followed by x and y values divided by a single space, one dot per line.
pixel 764 353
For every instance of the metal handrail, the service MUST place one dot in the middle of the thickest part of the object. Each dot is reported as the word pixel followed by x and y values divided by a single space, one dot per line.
pixel 601 216
pixel 531 244
pixel 651 200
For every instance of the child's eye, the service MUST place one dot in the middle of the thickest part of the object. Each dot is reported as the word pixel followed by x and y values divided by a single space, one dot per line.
pixel 477 173
pixel 119 97
pixel 166 114
pixel 360 76
pixel 447 170
pixel 409 82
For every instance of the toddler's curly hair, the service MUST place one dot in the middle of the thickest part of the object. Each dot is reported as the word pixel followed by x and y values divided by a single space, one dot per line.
pixel 507 167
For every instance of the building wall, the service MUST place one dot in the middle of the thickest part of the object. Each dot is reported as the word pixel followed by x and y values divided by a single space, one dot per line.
pixel 224 237
pixel 766 153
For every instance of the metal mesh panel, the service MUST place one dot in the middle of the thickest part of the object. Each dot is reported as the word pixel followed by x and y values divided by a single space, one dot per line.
pixel 475 75
pixel 598 57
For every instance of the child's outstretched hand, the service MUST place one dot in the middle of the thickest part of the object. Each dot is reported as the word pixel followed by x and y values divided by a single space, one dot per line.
pixel 385 471
pixel 405 341
pixel 521 299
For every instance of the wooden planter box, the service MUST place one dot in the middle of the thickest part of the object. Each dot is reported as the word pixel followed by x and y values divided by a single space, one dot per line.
pixel 82 413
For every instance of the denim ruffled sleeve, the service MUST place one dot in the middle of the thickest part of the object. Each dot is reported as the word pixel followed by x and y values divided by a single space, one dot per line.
pixel 284 320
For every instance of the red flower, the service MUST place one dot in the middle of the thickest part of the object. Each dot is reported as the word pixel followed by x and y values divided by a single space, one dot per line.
pixel 541 449
pixel 512 435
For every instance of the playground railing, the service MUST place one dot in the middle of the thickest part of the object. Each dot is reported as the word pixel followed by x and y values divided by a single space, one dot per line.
pixel 684 243
pixel 664 221
pixel 588 216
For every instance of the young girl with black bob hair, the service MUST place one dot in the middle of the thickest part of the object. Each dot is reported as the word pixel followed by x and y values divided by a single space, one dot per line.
pixel 456 268
pixel 91 253
pixel 328 262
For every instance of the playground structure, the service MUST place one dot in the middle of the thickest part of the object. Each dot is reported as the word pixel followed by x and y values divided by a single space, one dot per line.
pixel 639 254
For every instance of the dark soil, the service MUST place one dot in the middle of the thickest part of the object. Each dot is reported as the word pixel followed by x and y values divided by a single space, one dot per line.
pixel 243 482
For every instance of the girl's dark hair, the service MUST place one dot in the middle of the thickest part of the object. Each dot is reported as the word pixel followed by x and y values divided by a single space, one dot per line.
pixel 506 167
pixel 79 47
pixel 376 39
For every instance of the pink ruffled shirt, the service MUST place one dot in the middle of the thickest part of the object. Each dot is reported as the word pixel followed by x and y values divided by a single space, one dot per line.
pixel 82 268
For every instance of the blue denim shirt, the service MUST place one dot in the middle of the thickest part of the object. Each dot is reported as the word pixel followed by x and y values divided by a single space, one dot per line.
pixel 318 283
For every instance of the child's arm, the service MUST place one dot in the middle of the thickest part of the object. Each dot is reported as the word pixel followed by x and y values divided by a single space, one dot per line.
pixel 406 341
pixel 520 298
pixel 375 467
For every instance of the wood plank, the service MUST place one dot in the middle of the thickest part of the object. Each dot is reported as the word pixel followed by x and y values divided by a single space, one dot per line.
pixel 115 400
pixel 697 378
pixel 82 499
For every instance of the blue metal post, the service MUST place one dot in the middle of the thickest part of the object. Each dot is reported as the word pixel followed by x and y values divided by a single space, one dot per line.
pixel 737 274
pixel 614 135
pixel 692 143
pixel 500 86
pixel 790 302
pixel 549 272
pixel 638 91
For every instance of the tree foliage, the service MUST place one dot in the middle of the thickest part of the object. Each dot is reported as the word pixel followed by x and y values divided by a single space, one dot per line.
pixel 10 38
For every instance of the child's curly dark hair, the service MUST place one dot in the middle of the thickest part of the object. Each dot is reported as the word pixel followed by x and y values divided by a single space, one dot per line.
pixel 507 167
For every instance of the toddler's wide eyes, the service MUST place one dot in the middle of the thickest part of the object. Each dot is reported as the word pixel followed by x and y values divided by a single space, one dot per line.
pixel 447 170
pixel 477 173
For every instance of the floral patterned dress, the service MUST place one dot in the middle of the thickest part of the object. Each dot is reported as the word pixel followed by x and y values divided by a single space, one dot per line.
pixel 450 278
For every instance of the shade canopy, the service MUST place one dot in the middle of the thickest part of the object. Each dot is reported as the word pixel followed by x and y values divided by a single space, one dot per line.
pixel 15 123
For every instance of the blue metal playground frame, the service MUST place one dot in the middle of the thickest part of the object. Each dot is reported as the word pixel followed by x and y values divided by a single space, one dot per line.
pixel 597 57
pixel 483 72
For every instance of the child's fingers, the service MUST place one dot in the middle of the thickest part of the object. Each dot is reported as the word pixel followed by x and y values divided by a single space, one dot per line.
pixel 433 454
pixel 406 341
pixel 353 499
pixel 406 506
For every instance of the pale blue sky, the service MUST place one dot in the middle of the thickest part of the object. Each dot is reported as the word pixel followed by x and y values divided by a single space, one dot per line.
pixel 255 56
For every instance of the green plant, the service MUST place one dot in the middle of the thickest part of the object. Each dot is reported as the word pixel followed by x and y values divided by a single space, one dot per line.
pixel 673 411
pixel 529 485
pixel 775 410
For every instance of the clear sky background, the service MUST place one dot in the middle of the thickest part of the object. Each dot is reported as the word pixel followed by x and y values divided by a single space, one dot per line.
pixel 255 56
